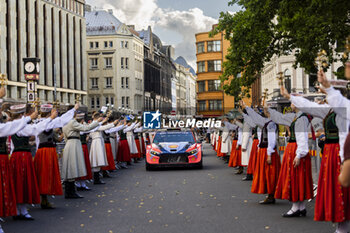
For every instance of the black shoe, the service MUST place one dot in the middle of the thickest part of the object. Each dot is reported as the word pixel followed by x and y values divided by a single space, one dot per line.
pixel 268 200
pixel 86 188
pixel 70 192
pixel 303 213
pixel 294 214
pixel 106 174
pixel 46 206
pixel 23 217
pixel 240 171
pixel 248 177
pixel 97 179
pixel 128 163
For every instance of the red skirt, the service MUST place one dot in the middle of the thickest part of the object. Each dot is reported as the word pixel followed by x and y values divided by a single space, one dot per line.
pixel 294 184
pixel 218 151
pixel 143 147
pixel 47 171
pixel 237 157
pixel 214 145
pixel 233 152
pixel 87 164
pixel 253 156
pixel 266 175
pixel 7 190
pixel 332 200
pixel 138 155
pixel 25 181
pixel 123 151
pixel 110 159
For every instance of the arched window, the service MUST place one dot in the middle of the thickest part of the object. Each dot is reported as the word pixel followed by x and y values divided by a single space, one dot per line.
pixel 340 73
pixel 287 80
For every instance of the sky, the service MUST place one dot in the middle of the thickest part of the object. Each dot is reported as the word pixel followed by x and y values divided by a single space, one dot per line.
pixel 175 22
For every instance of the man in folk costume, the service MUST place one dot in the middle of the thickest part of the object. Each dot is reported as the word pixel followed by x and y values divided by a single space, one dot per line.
pixel 45 160
pixel 106 135
pixel 131 141
pixel 7 191
pixel 251 148
pixel 73 163
pixel 80 182
pixel 268 161
pixel 98 156
pixel 338 210
pixel 124 155
pixel 22 165
pixel 295 181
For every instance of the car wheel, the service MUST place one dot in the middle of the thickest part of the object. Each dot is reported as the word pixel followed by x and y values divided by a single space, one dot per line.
pixel 200 164
pixel 148 167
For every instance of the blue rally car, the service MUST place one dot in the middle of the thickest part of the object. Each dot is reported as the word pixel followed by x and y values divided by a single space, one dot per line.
pixel 171 148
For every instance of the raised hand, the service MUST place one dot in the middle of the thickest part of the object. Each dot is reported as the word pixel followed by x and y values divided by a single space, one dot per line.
pixel 77 105
pixel 321 78
pixel 284 92
pixel 100 119
pixel 116 122
pixel 34 115
pixel 2 91
pixel 54 114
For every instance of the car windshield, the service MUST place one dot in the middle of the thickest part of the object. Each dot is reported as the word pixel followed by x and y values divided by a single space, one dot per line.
pixel 162 137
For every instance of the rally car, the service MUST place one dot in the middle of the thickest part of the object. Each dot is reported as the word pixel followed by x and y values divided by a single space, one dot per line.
pixel 174 148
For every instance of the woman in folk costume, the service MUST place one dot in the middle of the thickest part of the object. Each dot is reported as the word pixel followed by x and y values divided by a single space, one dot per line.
pixel 333 201
pixel 226 140
pixel 253 149
pixel 268 161
pixel 111 164
pixel 237 155
pixel 7 189
pixel 73 163
pixel 45 160
pixel 234 133
pixel 131 141
pixel 98 156
pixel 295 181
pixel 124 155
pixel 212 139
pixel 80 182
pixel 25 180
pixel 246 140
pixel 138 142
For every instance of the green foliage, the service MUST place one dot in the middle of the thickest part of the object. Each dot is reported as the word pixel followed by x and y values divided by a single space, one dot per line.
pixel 264 28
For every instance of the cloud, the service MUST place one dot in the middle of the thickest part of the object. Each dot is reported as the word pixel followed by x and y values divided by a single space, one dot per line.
pixel 143 13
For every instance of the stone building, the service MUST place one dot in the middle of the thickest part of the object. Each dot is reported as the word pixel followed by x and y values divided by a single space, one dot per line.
pixel 115 63
pixel 52 30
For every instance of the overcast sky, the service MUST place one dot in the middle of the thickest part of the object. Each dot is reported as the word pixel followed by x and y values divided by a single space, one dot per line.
pixel 175 21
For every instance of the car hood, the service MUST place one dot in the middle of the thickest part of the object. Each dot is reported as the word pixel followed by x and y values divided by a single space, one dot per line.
pixel 171 147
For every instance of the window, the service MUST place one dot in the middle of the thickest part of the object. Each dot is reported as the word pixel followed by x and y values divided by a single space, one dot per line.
pixel 127 102
pixel 91 45
pixel 97 102
pixel 108 62
pixel 201 67
pixel 93 63
pixel 111 44
pixel 214 85
pixel 112 100
pixel 109 82
pixel 96 45
pixel 126 44
pixel 122 62
pixel 123 102
pixel 202 105
pixel 200 47
pixel 126 83
pixel 215 105
pixel 106 44
pixel 94 83
pixel 122 44
pixel 126 63
pixel 201 86
pixel 123 82
pixel 107 100
pixel 214 66
pixel 93 102
pixel 214 46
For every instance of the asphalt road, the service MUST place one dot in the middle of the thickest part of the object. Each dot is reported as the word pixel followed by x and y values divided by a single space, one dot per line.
pixel 212 200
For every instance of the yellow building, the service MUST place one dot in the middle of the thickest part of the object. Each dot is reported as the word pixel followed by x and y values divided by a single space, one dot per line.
pixel 211 53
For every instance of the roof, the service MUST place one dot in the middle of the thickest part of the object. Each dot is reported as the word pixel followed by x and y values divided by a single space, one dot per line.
pixel 101 23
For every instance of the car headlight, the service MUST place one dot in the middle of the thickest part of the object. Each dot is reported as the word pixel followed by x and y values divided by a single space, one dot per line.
pixel 192 152
pixel 153 152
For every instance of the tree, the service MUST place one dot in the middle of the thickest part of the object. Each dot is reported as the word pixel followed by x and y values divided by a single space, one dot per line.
pixel 264 28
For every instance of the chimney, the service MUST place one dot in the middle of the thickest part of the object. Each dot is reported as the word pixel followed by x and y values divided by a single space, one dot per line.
pixel 110 11
pixel 87 8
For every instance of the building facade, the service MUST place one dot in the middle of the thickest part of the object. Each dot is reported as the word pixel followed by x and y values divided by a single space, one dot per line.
pixel 55 32
pixel 115 63
pixel 181 87
pixel 158 73
pixel 191 93
pixel 211 52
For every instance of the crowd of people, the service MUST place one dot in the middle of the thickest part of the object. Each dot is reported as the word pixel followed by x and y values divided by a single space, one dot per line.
pixel 31 169
pixel 251 140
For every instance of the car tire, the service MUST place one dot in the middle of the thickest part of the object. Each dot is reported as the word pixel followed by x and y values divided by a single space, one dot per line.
pixel 200 165
pixel 148 167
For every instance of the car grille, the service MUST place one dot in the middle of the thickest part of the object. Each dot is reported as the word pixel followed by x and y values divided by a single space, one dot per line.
pixel 174 158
